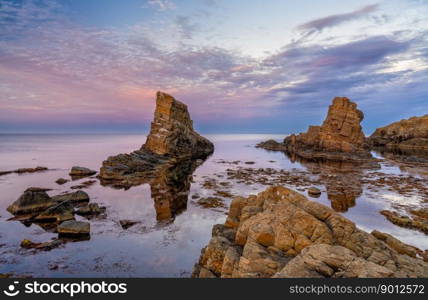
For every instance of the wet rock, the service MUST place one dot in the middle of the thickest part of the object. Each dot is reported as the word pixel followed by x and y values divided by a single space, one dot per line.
pixel 79 172
pixel 127 223
pixel 61 181
pixel 73 229
pixel 405 134
pixel 314 192
pixel 172 139
pixel 211 202
pixel 46 246
pixel 25 170
pixel 33 200
pixel 91 209
pixel 340 137
pixel 272 145
pixel 398 245
pixel 83 185
pixel 417 223
pixel 75 197
pixel 60 212
pixel 280 233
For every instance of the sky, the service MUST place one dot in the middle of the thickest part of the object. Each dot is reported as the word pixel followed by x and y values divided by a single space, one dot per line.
pixel 260 66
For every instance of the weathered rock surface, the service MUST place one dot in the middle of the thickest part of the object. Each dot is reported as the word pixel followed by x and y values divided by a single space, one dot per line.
pixel 92 209
pixel 340 137
pixel 75 197
pixel 79 172
pixel 46 246
pixel 61 181
pixel 171 140
pixel 60 212
pixel 405 134
pixel 280 233
pixel 33 200
pixel 74 228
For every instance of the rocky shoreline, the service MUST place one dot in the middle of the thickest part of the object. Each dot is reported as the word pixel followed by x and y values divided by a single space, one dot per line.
pixel 279 233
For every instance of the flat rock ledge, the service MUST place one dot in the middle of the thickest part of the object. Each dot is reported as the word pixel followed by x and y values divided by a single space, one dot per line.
pixel 280 233
pixel 172 139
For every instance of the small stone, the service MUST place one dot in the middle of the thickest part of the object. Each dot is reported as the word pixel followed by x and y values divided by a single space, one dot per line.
pixel 81 172
pixel 61 181
pixel 314 192
pixel 127 223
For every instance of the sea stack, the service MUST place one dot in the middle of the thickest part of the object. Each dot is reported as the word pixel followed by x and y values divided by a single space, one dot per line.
pixel 410 134
pixel 171 140
pixel 340 137
pixel 172 131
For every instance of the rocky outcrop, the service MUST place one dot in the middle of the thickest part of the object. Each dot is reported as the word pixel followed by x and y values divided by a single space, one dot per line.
pixel 340 137
pixel 409 134
pixel 172 139
pixel 172 131
pixel 74 228
pixel 280 233
pixel 33 200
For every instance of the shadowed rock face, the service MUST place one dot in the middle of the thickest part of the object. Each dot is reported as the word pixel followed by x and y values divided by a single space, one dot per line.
pixel 172 139
pixel 340 137
pixel 410 134
pixel 280 233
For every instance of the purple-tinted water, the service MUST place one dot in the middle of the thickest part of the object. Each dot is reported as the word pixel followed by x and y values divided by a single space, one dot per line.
pixel 150 248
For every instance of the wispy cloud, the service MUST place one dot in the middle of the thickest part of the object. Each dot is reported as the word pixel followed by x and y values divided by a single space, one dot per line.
pixel 335 20
pixel 162 4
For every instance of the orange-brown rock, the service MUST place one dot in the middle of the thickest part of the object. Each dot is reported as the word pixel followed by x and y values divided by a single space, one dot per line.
pixel 172 139
pixel 340 137
pixel 280 233
pixel 405 134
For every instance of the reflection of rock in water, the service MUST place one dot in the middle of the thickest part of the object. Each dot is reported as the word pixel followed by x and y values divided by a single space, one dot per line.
pixel 403 155
pixel 170 190
pixel 341 178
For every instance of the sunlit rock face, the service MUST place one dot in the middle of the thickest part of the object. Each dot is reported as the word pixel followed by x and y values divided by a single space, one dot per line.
pixel 171 140
pixel 340 132
pixel 280 233
pixel 340 137
pixel 410 134
pixel 172 131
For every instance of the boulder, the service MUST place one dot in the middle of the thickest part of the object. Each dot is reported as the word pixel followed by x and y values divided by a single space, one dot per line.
pixel 33 200
pixel 79 172
pixel 314 192
pixel 171 139
pixel 73 228
pixel 280 233
pixel 409 134
pixel 60 212
pixel 75 197
pixel 340 137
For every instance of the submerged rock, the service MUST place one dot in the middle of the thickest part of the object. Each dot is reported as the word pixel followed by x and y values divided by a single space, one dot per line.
pixel 33 200
pixel 125 224
pixel 74 228
pixel 79 172
pixel 171 140
pixel 46 246
pixel 409 134
pixel 280 233
pixel 340 137
pixel 25 170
